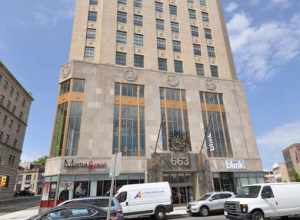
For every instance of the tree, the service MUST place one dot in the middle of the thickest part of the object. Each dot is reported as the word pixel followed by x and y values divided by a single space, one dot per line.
pixel 296 176
pixel 40 161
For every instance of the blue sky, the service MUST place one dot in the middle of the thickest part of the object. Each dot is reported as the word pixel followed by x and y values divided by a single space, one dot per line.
pixel 265 38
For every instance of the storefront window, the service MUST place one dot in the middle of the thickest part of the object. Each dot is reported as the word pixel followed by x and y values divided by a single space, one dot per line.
pixel 175 126
pixel 215 124
pixel 52 191
pixel 129 125
pixel 74 128
pixel 81 189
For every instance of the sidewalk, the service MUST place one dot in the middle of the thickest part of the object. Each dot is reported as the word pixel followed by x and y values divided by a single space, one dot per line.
pixel 20 215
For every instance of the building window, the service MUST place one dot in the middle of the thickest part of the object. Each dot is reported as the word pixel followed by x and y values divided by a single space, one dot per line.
pixel 78 85
pixel 59 130
pixel 202 2
pixel 122 17
pixel 89 52
pixel 93 2
pixel 200 69
pixel 92 16
pixel 159 7
pixel 120 58
pixel 176 46
pixel 138 60
pixel 121 37
pixel 5 86
pixel 178 66
pixel 214 71
pixel 123 2
pixel 175 125
pixel 173 10
pixel 73 128
pixel 11 93
pixel 208 33
pixel 138 20
pixel 138 40
pixel 197 49
pixel 162 64
pixel 11 123
pixel 129 120
pixel 215 124
pixel 91 33
pixel 175 27
pixel 138 3
pixel 205 16
pixel 195 31
pixel 2 97
pixel 211 51
pixel 161 43
pixel 192 14
pixel 160 24
pixel 64 87
pixel 4 120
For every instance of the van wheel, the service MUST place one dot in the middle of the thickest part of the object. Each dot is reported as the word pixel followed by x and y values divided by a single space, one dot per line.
pixel 257 215
pixel 204 211
pixel 160 214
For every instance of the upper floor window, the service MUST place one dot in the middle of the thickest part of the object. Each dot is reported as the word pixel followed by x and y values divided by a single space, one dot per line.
pixel 176 46
pixel 200 69
pixel 78 85
pixel 92 16
pixel 89 52
pixel 195 31
pixel 138 40
pixel 202 2
pixel 162 64
pixel 192 14
pixel 121 37
pixel 138 3
pixel 124 2
pixel 197 49
pixel 161 43
pixel 120 58
pixel 173 9
pixel 2 97
pixel 93 2
pixel 159 7
pixel 64 87
pixel 211 51
pixel 160 25
pixel 214 71
pixel 205 17
pixel 208 34
pixel 175 27
pixel 122 17
pixel 5 86
pixel 178 66
pixel 138 20
pixel 138 60
pixel 91 33
pixel 12 90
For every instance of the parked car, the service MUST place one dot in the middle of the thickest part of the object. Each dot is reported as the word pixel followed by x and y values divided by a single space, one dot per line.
pixel 24 193
pixel 209 203
pixel 100 202
pixel 74 212
pixel 262 201
pixel 148 199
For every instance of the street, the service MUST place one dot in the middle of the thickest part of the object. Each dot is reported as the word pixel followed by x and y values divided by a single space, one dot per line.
pixel 18 204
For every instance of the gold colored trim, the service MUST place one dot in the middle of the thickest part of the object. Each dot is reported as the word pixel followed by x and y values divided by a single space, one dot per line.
pixel 126 100
pixel 71 96
pixel 213 108
pixel 173 104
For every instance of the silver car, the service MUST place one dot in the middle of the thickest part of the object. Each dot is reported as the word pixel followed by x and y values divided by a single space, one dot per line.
pixel 209 203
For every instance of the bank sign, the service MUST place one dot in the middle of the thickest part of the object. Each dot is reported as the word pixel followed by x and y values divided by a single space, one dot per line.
pixel 235 164
pixel 90 164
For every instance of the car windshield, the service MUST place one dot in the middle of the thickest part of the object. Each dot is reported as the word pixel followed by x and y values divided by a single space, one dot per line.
pixel 205 197
pixel 248 192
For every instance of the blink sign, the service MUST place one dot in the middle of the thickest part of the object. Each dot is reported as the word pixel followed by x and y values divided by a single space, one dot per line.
pixel 235 164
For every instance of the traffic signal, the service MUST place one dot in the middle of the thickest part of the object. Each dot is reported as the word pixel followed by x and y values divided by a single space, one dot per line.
pixel 4 181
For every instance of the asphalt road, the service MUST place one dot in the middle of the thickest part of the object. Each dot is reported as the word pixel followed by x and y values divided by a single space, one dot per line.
pixel 187 217
pixel 18 204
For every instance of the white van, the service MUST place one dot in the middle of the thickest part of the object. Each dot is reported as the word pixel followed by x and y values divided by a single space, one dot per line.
pixel 262 201
pixel 148 199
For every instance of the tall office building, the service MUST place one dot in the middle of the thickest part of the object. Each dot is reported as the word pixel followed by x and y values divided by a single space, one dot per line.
pixel 150 79
pixel 15 103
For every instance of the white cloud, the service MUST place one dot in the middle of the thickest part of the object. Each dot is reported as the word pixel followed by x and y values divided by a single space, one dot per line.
pixel 271 143
pixel 261 49
pixel 231 7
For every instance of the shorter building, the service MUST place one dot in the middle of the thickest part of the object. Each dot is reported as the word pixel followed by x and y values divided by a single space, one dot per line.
pixel 269 176
pixel 280 173
pixel 291 156
pixel 15 104
pixel 30 177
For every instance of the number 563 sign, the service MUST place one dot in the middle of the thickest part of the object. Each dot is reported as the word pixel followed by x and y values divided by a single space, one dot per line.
pixel 180 161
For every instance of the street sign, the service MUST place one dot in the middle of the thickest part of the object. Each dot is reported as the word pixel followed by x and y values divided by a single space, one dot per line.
pixel 115 165
pixel 4 181
pixel 210 143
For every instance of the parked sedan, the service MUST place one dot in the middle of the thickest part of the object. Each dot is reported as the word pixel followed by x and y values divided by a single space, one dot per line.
pixel 209 203
pixel 74 212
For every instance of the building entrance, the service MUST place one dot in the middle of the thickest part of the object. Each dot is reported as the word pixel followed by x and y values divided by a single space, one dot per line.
pixel 181 185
